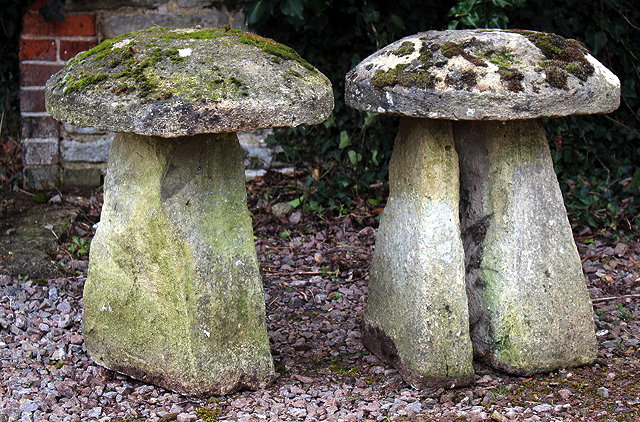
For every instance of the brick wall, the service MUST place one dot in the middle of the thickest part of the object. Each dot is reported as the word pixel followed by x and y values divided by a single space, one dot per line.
pixel 44 49
pixel 61 155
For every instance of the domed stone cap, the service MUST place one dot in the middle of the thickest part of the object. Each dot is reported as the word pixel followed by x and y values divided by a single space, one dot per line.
pixel 483 74
pixel 173 82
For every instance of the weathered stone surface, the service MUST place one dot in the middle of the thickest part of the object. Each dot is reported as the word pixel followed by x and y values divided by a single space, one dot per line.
pixel 82 175
pixel 120 24
pixel 91 151
pixel 40 151
pixel 529 306
pixel 174 82
pixel 174 295
pixel 92 6
pixel 38 178
pixel 416 316
pixel 483 74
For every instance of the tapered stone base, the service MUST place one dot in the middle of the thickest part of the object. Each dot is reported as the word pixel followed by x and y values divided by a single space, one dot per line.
pixel 416 316
pixel 174 295
pixel 529 307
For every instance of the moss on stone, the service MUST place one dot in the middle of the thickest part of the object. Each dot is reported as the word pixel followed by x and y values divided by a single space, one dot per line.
pixel 451 49
pixel 426 54
pixel 269 46
pixel 400 76
pixel 555 77
pixel 405 49
pixel 81 83
pixel 562 54
pixel 508 70
pixel 466 80
pixel 512 78
pixel 125 67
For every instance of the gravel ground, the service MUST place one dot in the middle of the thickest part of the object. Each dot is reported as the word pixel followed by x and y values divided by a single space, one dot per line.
pixel 315 276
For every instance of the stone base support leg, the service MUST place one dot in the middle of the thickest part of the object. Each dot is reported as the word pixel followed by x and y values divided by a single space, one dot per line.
pixel 416 316
pixel 174 295
pixel 529 307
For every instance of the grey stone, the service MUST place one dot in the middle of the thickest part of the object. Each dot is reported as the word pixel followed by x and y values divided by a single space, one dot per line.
pixel 92 151
pixel 92 6
pixel 193 3
pixel 482 74
pixel 194 81
pixel 38 178
pixel 529 306
pixel 40 151
pixel 120 24
pixel 258 154
pixel 82 175
pixel 174 295
pixel 70 130
pixel 281 208
pixel 416 316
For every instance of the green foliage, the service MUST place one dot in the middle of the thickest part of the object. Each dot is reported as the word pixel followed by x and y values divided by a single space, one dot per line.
pixel 482 13
pixel 597 158
pixel 208 414
pixel 78 247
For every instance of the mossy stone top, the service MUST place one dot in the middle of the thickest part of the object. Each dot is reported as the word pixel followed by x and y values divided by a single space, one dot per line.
pixel 483 74
pixel 173 82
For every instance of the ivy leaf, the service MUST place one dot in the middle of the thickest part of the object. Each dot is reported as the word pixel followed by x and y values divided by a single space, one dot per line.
pixel 345 141
pixel 258 13
pixel 293 8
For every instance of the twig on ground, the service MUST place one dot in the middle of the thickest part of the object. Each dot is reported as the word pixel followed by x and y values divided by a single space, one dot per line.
pixel 605 299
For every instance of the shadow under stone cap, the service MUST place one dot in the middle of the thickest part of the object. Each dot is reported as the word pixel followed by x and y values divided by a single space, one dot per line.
pixel 172 82
pixel 483 74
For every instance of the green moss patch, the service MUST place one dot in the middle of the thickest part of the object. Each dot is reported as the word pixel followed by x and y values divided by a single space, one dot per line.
pixel 405 49
pixel 269 46
pixel 466 80
pixel 563 55
pixel 125 64
pixel 510 75
pixel 400 76
pixel 451 49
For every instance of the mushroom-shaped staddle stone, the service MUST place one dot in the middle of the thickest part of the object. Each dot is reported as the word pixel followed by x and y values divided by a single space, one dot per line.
pixel 529 308
pixel 174 295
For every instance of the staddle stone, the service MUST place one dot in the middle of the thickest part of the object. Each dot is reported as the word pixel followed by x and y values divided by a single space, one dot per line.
pixel 182 81
pixel 483 74
pixel 174 295
pixel 529 308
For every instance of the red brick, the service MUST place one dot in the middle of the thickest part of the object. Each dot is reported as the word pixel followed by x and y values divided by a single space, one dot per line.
pixel 72 25
pixel 32 100
pixel 37 50
pixel 69 49
pixel 39 127
pixel 37 5
pixel 36 74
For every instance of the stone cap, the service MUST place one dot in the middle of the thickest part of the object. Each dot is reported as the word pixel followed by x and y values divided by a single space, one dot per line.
pixel 173 82
pixel 481 74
